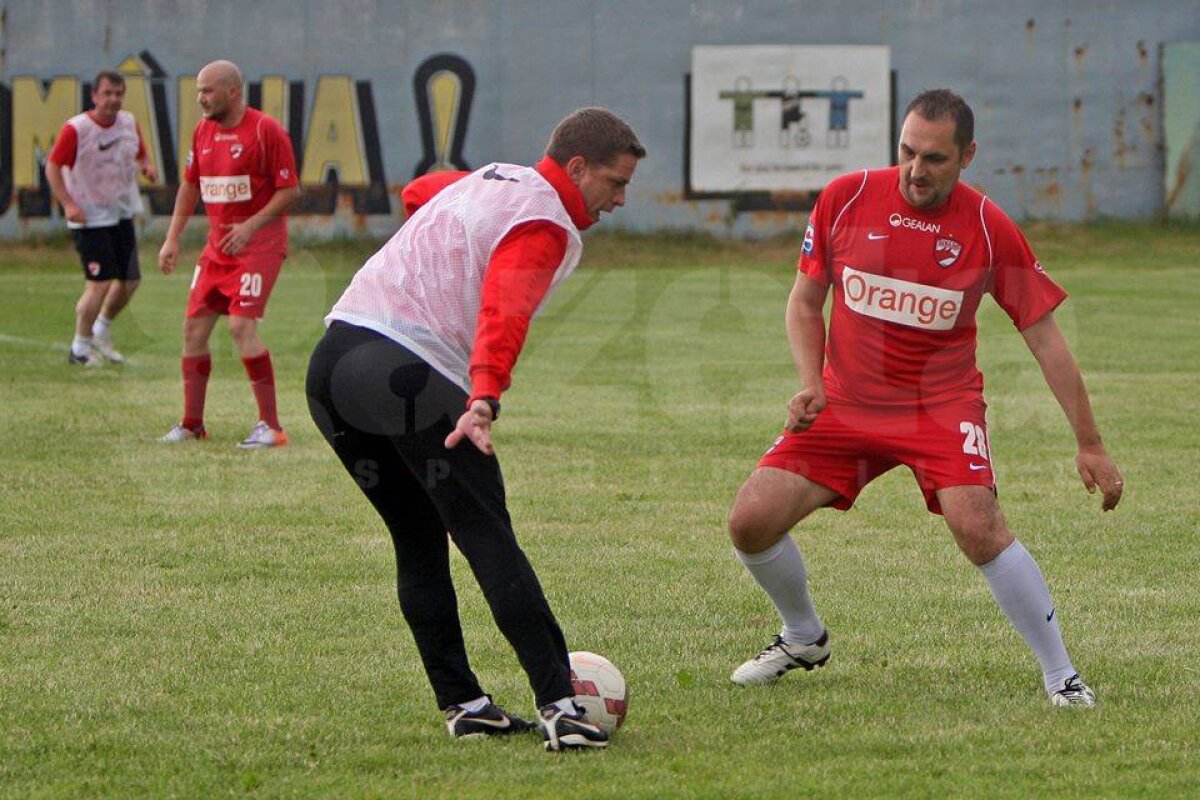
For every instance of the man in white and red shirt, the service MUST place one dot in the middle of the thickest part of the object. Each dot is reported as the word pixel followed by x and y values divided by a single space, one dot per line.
pixel 93 173
pixel 431 325
pixel 242 166
pixel 909 253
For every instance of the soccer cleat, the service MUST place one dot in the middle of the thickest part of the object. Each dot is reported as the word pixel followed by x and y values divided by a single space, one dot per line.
pixel 88 359
pixel 1074 692
pixel 103 344
pixel 564 731
pixel 778 657
pixel 181 434
pixel 491 721
pixel 262 437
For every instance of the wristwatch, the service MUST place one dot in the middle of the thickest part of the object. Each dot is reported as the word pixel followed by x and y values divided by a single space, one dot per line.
pixel 493 404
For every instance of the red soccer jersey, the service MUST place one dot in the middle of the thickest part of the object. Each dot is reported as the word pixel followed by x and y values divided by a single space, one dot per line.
pixel 907 283
pixel 238 169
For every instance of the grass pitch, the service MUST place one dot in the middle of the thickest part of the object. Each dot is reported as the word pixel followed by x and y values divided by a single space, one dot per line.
pixel 199 622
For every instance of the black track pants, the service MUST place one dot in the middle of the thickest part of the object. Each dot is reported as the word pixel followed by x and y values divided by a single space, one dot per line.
pixel 386 413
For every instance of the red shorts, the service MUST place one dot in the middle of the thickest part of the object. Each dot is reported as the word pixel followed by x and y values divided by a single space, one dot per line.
pixel 849 446
pixel 240 289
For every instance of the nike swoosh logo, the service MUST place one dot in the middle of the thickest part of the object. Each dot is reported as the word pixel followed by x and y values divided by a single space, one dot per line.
pixel 1050 616
pixel 106 145
pixel 499 724
pixel 977 467
pixel 874 236
pixel 493 175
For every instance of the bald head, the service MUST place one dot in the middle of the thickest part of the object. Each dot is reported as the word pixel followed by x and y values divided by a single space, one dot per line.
pixel 219 91
pixel 224 73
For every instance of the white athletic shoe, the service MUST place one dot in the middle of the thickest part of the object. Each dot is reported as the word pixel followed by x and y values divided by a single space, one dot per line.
pixel 262 437
pixel 103 344
pixel 181 434
pixel 778 657
pixel 1074 692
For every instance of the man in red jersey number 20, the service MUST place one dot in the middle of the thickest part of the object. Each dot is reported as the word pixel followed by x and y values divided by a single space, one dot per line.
pixel 242 166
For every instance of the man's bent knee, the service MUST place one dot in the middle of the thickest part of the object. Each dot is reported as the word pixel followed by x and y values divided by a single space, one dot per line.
pixel 748 531
pixel 769 504
pixel 974 517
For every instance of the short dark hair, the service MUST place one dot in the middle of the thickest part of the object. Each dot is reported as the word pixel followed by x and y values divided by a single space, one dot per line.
pixel 936 104
pixel 595 133
pixel 110 75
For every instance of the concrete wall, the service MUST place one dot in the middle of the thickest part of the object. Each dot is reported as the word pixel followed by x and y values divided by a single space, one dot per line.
pixel 1066 93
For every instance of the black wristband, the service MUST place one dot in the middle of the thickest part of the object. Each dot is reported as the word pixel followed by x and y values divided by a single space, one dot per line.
pixel 493 404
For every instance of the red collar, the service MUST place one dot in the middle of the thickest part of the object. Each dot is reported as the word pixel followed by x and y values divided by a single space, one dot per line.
pixel 568 192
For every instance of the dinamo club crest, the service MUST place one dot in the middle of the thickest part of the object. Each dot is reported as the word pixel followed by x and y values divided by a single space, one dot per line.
pixel 946 251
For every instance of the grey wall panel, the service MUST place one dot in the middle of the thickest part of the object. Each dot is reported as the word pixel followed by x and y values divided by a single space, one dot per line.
pixel 1066 93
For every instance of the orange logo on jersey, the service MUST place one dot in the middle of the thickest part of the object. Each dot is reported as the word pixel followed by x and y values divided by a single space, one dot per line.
pixel 916 305
pixel 225 188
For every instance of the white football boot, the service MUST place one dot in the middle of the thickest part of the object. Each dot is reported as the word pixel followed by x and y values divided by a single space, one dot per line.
pixel 778 657
pixel 262 437
pixel 1074 692
pixel 102 343
pixel 181 434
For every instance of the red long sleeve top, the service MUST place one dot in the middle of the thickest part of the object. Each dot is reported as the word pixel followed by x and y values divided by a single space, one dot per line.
pixel 518 276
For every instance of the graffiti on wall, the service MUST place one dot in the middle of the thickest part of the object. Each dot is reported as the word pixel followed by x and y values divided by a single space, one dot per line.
pixel 444 86
pixel 333 125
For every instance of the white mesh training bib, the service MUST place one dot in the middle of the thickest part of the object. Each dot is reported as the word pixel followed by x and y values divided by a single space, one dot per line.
pixel 422 289
pixel 103 181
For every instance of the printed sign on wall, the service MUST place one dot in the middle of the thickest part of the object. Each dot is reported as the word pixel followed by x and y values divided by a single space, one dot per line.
pixel 787 119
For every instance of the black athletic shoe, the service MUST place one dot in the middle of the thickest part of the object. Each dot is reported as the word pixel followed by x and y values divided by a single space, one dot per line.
pixel 564 731
pixel 492 721
pixel 88 359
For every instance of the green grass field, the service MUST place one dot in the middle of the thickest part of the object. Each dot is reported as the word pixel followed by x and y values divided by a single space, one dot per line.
pixel 197 622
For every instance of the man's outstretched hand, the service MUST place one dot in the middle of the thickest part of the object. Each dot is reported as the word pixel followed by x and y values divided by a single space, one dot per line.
pixel 475 424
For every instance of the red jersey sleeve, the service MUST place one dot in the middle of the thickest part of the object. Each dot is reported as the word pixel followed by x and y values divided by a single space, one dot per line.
pixel 191 172
pixel 518 276
pixel 281 158
pixel 1018 281
pixel 65 146
pixel 141 151
pixel 814 253
pixel 421 191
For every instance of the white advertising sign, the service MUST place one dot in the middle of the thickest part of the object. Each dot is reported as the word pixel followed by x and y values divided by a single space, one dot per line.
pixel 787 119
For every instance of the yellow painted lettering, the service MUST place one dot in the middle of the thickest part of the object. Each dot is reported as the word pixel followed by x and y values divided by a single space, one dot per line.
pixel 37 118
pixel 334 140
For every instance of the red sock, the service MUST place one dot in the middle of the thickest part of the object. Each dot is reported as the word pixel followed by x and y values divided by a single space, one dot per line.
pixel 262 380
pixel 196 370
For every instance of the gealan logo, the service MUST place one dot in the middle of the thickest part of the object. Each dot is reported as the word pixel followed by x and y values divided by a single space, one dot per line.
pixel 898 220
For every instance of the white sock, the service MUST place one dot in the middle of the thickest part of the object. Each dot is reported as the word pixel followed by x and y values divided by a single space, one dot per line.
pixel 567 705
pixel 476 705
pixel 779 570
pixel 80 345
pixel 101 325
pixel 1020 590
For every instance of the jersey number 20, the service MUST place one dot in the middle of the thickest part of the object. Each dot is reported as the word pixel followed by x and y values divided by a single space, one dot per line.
pixel 252 285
